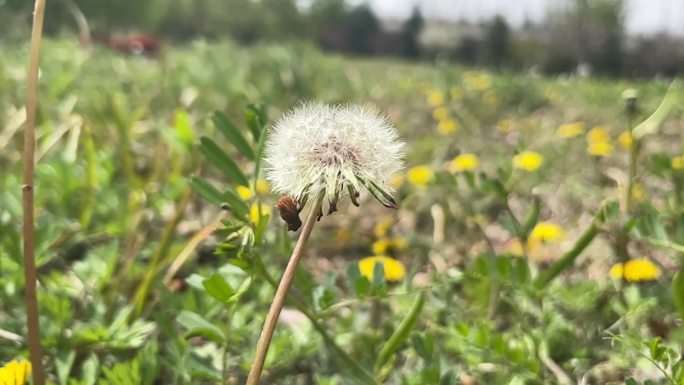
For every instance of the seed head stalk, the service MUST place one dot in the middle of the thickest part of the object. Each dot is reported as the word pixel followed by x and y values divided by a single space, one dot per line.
pixel 281 293
pixel 30 275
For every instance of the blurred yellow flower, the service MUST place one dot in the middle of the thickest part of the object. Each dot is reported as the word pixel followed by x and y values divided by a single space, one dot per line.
pixel 384 245
pixel 400 244
pixel 600 149
pixel 420 176
pixel 625 140
pixel 15 373
pixel 435 98
pixel 244 192
pixel 677 162
pixel 397 180
pixel 448 126
pixel 440 113
pixel 638 193
pixel 598 134
pixel 381 246
pixel 382 228
pixel 456 94
pixel 478 81
pixel 343 235
pixel 394 270
pixel 464 162
pixel 504 126
pixel 258 210
pixel 262 186
pixel 528 161
pixel 635 270
pixel 570 130
pixel 546 232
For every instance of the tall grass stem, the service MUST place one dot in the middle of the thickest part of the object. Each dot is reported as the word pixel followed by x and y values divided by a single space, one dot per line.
pixel 30 274
pixel 281 293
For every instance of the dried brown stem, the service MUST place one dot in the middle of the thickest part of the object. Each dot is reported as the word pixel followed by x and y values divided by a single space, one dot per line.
pixel 30 275
pixel 281 293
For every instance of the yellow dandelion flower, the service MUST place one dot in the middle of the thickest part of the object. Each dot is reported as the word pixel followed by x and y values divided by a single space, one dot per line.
pixel 15 372
pixel 400 244
pixel 383 227
pixel 440 113
pixel 677 162
pixel 528 161
pixel 638 193
pixel 435 98
pixel 636 270
pixel 600 149
pixel 464 162
pixel 420 176
pixel 616 271
pixel 456 94
pixel 343 235
pixel 258 210
pixel 504 126
pixel 448 126
pixel 262 186
pixel 397 180
pixel 394 270
pixel 547 232
pixel 478 81
pixel 625 140
pixel 244 192
pixel 570 130
pixel 598 134
pixel 381 246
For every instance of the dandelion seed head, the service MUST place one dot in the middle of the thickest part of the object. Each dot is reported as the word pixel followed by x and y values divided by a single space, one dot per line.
pixel 332 148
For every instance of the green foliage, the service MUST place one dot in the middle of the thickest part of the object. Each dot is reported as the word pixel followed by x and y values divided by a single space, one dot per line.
pixel 125 141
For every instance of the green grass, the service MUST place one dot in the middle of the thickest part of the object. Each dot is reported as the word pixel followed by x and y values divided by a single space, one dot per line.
pixel 117 140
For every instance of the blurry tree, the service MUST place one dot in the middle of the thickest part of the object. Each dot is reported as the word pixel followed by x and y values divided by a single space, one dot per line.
pixel 591 32
pixel 360 27
pixel 496 45
pixel 410 32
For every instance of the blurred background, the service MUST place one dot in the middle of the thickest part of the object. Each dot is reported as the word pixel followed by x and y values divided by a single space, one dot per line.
pixel 607 37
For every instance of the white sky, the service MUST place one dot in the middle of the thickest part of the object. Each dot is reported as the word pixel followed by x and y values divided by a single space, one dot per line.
pixel 642 16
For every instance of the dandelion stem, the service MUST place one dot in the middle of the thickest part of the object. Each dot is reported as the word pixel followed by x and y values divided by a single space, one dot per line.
pixel 571 255
pixel 30 274
pixel 281 293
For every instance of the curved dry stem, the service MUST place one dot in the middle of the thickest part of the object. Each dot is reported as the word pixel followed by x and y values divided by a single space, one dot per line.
pixel 281 293
pixel 30 275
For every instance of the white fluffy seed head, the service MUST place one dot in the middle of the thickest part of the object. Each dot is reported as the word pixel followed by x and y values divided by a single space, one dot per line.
pixel 334 149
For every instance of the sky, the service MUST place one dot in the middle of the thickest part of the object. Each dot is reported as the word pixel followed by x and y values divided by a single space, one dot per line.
pixel 642 16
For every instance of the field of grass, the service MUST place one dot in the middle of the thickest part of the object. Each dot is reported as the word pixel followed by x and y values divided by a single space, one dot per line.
pixel 539 233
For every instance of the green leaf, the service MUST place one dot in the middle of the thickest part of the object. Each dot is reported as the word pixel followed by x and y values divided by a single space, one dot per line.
pixel 244 286
pixel 678 291
pixel 255 116
pixel 64 360
pixel 653 122
pixel 531 218
pixel 206 190
pixel 183 129
pixel 198 326
pixel 232 133
pixel 218 288
pixel 221 160
pixel 401 333
pixel 261 228
pixel 236 204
